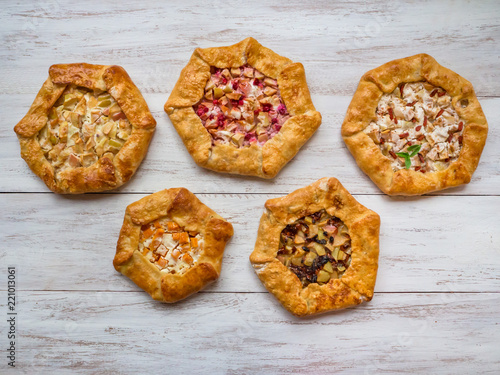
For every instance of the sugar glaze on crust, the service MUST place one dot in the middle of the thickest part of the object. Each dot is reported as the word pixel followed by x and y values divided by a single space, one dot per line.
pixel 277 135
pixel 171 244
pixel 440 114
pixel 355 285
pixel 87 130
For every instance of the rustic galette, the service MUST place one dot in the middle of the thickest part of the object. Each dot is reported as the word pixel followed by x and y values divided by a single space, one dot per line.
pixel 242 109
pixel 414 126
pixel 87 130
pixel 317 249
pixel 171 244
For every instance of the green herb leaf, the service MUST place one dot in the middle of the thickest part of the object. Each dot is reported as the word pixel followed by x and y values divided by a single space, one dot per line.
pixel 405 156
pixel 413 150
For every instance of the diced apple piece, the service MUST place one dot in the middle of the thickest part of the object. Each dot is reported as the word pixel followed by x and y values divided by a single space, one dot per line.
pixel 297 261
pixel 248 72
pixel 238 139
pixel 328 267
pixel 323 277
pixel 210 85
pixel 90 143
pixel 70 100
pixel 263 138
pixel 341 255
pixel 115 143
pixel 224 101
pixel 63 131
pixel 309 258
pixel 78 145
pixel 235 72
pixel 218 92
pixel 269 91
pixel 89 159
pixel 225 73
pixel 320 250
pixel 74 161
pixel 270 82
pixel 298 240
pixel 122 134
pixel 53 139
pixel 227 89
pixel 236 113
pixel 209 95
pixel 107 128
pixel 264 119
pixel 248 127
pixel 118 115
pixel 259 75
pixel 234 96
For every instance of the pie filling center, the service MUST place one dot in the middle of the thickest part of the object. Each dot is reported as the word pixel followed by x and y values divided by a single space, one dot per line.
pixel 418 128
pixel 241 106
pixel 316 248
pixel 169 247
pixel 82 126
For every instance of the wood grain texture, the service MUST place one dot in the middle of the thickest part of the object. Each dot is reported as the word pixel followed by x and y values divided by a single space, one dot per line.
pixel 68 243
pixel 169 164
pixel 128 333
pixel 437 295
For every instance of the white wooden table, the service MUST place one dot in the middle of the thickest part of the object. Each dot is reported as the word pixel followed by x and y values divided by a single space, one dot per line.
pixel 436 307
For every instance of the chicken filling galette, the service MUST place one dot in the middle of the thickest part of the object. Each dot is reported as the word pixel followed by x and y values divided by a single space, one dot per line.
pixel 316 248
pixel 418 128
pixel 82 126
pixel 241 106
pixel 169 247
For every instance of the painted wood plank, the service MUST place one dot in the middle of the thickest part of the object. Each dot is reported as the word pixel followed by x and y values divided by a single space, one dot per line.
pixel 447 244
pixel 169 164
pixel 337 41
pixel 127 333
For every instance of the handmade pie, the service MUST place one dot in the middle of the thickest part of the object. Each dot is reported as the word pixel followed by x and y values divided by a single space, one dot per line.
pixel 414 126
pixel 171 244
pixel 87 130
pixel 242 109
pixel 317 249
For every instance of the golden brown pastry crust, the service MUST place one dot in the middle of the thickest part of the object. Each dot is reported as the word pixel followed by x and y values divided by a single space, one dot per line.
pixel 358 282
pixel 104 174
pixel 186 210
pixel 361 112
pixel 265 161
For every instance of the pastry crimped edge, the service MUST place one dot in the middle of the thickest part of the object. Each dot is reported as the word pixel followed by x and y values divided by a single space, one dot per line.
pixel 357 283
pixel 261 161
pixel 362 110
pixel 189 212
pixel 104 174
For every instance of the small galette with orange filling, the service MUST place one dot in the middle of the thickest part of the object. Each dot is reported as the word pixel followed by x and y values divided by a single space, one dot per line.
pixel 171 244
pixel 414 126
pixel 169 247
pixel 242 109
pixel 87 130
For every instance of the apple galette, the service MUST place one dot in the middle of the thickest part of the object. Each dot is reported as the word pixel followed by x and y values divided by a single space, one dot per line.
pixel 317 249
pixel 242 109
pixel 171 244
pixel 88 129
pixel 414 127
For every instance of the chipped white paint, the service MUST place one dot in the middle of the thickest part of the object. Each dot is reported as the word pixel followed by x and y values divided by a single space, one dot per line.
pixel 437 295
